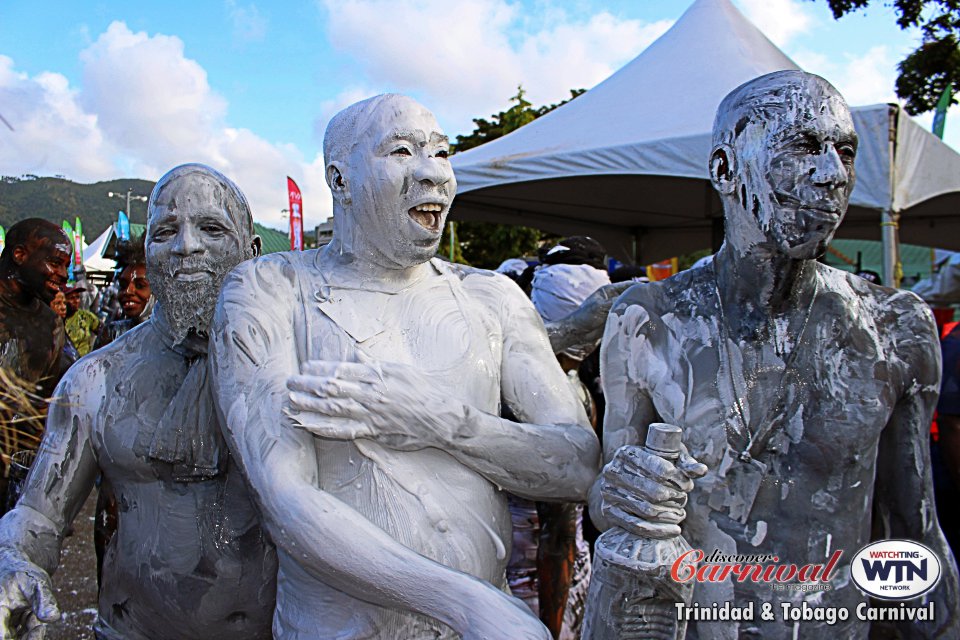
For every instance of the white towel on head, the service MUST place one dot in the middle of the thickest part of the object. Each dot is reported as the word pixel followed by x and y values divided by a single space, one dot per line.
pixel 516 266
pixel 558 289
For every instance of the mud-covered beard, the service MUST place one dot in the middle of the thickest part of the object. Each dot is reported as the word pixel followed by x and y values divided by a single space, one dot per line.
pixel 189 305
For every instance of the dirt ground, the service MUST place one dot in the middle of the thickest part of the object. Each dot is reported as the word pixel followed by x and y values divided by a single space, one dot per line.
pixel 75 582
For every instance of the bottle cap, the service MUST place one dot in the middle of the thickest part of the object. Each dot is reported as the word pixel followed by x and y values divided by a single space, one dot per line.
pixel 663 438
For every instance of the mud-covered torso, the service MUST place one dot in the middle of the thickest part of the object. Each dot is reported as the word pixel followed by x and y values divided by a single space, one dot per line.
pixel 824 406
pixel 188 559
pixel 31 338
pixel 426 499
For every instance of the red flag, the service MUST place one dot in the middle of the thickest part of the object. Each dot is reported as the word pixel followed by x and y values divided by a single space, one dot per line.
pixel 296 215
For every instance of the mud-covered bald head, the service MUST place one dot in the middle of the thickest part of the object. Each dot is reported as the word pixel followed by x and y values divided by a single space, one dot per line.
pixel 35 258
pixel 392 185
pixel 783 162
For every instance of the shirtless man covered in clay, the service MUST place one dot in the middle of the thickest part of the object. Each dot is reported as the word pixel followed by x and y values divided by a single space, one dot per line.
pixel 361 386
pixel 188 560
pixel 805 390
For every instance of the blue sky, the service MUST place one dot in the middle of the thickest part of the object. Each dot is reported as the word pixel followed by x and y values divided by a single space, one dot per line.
pixel 98 90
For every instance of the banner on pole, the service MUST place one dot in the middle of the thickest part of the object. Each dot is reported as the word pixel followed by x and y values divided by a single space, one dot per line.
pixel 296 215
pixel 78 243
pixel 123 227
pixel 940 116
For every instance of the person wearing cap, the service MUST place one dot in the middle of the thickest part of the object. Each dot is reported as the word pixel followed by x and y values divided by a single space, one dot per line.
pixel 81 324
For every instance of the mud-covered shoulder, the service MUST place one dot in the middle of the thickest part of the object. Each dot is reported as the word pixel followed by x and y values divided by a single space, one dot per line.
pixel 264 274
pixel 903 323
pixel 494 290
pixel 679 294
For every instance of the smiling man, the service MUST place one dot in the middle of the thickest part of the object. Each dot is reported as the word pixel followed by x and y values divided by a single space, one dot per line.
pixel 362 387
pixel 188 559
pixel 806 390
pixel 33 268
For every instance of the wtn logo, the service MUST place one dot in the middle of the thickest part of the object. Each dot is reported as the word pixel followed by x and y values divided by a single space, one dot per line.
pixel 895 569
pixel 904 569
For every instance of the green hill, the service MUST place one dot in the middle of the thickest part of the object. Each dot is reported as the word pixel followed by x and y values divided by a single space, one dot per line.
pixel 57 199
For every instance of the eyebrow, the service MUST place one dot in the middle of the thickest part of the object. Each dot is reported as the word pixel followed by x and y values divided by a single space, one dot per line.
pixel 412 136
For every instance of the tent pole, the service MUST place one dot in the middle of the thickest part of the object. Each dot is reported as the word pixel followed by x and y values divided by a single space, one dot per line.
pixel 891 248
pixel 889 221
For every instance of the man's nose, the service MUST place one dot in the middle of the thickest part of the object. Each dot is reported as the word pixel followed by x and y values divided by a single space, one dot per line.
pixel 186 241
pixel 828 169
pixel 433 170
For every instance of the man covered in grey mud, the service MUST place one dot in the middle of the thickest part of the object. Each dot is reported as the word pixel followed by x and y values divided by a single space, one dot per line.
pixel 362 385
pixel 806 391
pixel 188 559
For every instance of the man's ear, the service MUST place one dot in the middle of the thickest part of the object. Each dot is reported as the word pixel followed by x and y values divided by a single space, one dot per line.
pixel 20 254
pixel 723 169
pixel 338 184
pixel 256 246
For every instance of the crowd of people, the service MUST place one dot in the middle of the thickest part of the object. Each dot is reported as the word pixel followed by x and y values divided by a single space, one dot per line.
pixel 344 443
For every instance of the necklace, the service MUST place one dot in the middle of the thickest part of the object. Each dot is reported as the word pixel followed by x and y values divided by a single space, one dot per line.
pixel 752 444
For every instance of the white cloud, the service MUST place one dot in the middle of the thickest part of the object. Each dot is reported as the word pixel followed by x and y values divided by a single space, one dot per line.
pixel 52 133
pixel 248 23
pixel 143 107
pixel 465 59
pixel 779 20
pixel 866 78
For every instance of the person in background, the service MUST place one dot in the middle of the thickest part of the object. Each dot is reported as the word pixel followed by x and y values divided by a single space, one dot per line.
pixel 81 324
pixel 570 272
pixel 69 354
pixel 133 292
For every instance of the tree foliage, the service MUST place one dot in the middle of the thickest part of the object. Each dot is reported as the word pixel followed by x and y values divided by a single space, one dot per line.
pixel 935 63
pixel 486 244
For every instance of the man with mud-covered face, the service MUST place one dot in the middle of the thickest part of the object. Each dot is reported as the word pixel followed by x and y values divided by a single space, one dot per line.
pixel 361 386
pixel 188 559
pixel 805 392
pixel 33 268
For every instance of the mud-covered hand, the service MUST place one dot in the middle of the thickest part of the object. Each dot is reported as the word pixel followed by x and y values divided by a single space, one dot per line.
pixel 646 494
pixel 26 598
pixel 394 404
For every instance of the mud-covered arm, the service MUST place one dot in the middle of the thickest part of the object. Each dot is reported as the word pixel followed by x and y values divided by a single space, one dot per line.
pixel 63 473
pixel 904 500
pixel 585 325
pixel 253 353
pixel 59 482
pixel 629 410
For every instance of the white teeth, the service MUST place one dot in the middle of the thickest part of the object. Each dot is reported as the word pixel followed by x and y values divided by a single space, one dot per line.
pixel 429 207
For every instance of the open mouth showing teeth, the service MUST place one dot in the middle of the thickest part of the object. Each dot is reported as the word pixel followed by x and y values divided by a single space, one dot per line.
pixel 427 215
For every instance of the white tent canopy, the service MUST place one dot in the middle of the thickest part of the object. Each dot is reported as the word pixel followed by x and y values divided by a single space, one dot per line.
pixel 93 258
pixel 626 162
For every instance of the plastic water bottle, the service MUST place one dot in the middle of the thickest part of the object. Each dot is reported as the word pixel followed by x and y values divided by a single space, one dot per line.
pixel 632 595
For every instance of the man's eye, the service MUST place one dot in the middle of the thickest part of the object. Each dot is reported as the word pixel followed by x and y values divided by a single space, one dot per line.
pixel 443 153
pixel 212 229
pixel 845 151
pixel 401 151
pixel 162 234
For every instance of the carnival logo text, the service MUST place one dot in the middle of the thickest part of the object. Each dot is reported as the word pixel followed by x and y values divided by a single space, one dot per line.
pixel 895 569
pixel 718 567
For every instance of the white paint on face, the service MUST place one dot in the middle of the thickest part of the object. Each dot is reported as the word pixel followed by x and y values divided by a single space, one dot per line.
pixel 401 185
pixel 797 166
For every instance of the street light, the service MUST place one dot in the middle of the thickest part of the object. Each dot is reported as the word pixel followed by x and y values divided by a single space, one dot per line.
pixel 128 195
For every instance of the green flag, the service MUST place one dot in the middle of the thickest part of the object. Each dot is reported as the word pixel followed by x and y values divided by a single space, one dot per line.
pixel 940 117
